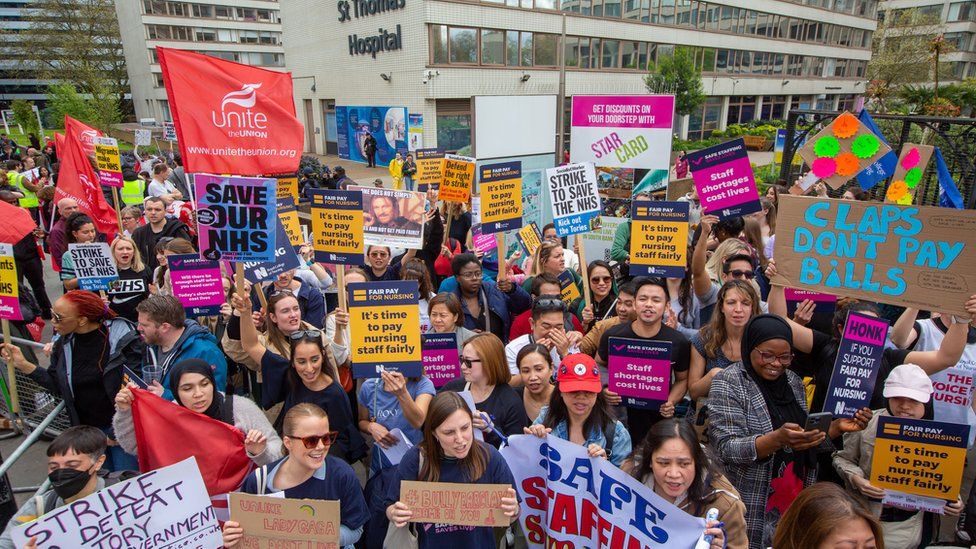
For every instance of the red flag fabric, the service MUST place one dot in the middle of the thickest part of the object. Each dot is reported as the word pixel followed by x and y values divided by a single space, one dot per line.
pixel 231 118
pixel 77 180
pixel 86 134
pixel 58 141
pixel 15 223
pixel 167 433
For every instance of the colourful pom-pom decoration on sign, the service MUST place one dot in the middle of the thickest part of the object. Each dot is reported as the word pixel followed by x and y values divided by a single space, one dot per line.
pixel 824 167
pixel 913 177
pixel 865 145
pixel 847 164
pixel 897 190
pixel 911 159
pixel 845 126
pixel 826 147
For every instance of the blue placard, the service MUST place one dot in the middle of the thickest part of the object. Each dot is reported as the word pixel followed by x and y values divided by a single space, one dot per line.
pixel 285 260
pixel 859 356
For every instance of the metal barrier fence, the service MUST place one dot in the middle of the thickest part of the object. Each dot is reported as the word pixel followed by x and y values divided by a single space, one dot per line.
pixel 36 404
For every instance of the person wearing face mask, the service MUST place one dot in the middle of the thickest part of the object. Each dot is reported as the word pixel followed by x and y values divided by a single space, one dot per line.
pixel 908 391
pixel 672 462
pixel 450 453
pixel 74 463
pixel 578 412
pixel 308 472
pixel 193 386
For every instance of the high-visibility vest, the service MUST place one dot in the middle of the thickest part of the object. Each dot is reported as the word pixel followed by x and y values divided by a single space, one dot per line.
pixel 17 180
pixel 133 192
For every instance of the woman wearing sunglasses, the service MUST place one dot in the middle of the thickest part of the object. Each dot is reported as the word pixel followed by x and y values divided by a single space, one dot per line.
pixel 194 387
pixel 758 412
pixel 603 294
pixel 308 472
pixel 308 374
pixel 450 453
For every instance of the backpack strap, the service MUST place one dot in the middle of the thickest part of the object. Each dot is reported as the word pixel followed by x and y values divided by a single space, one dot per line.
pixel 227 409
pixel 261 475
pixel 609 432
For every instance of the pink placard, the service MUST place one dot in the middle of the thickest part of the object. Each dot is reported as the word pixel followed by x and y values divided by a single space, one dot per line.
pixel 623 111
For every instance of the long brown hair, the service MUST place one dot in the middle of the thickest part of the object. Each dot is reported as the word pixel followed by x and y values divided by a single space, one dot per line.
pixel 441 407
pixel 714 335
pixel 274 335
pixel 819 511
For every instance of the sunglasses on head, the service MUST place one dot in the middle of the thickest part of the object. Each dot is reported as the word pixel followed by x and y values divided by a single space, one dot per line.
pixel 303 334
pixel 312 442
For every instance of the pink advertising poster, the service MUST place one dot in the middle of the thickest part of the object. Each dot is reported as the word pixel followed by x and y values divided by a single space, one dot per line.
pixel 622 131
pixel 724 180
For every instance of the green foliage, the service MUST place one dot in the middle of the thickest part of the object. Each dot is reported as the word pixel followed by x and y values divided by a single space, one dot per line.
pixel 100 111
pixel 676 74
pixel 764 128
pixel 24 116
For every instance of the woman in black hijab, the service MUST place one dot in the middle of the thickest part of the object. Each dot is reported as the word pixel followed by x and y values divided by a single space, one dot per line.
pixel 193 386
pixel 758 411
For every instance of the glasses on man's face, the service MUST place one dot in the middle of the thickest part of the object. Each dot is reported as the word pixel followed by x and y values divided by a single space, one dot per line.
pixel 600 279
pixel 739 274
pixel 769 358
pixel 470 275
pixel 312 442
pixel 467 362
pixel 302 334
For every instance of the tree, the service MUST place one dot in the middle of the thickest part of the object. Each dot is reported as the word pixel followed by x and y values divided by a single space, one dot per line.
pixel 24 116
pixel 903 54
pixel 64 99
pixel 78 41
pixel 677 74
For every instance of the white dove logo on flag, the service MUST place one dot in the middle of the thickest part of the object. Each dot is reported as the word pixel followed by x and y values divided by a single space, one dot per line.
pixel 246 123
pixel 245 97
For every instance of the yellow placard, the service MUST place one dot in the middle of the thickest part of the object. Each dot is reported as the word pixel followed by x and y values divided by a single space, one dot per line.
pixel 337 226
pixel 288 188
pixel 501 197
pixel 567 287
pixel 458 179
pixel 529 238
pixel 289 220
pixel 430 168
pixel 9 303
pixel 659 239
pixel 384 328
pixel 920 457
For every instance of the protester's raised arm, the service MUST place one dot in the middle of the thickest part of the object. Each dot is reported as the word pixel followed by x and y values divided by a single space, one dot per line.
pixel 903 332
pixel 249 332
pixel 699 276
pixel 949 353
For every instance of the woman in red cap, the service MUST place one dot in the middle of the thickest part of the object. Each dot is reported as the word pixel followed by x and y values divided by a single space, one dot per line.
pixel 578 412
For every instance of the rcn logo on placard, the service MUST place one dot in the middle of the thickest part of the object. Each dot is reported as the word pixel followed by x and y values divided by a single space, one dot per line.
pixel 261 273
pixel 236 114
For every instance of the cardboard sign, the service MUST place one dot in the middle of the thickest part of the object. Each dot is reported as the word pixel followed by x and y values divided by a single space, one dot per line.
pixel 169 131
pixel 271 522
pixel 457 180
pixel 143 138
pixel 162 508
pixel 908 173
pixel 575 198
pixel 570 500
pixel 859 356
pixel 288 188
pixel 530 238
pixel 919 457
pixel 842 150
pixel 912 256
pixel 9 293
pixel 568 289
pixel 384 326
pixel 454 503
pixel 430 168
pixel 337 226
pixel 440 356
pixel 659 238
pixel 822 303
pixel 109 162
pixel 197 283
pixel 393 218
pixel 288 214
pixel 94 265
pixel 598 242
pixel 640 371
pixel 724 180
pixel 285 260
pixel 501 197
pixel 622 131
pixel 236 217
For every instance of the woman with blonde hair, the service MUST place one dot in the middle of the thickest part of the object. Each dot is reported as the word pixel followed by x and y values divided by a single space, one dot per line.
pixel 450 453
pixel 486 375
pixel 133 283
pixel 308 472
pixel 549 258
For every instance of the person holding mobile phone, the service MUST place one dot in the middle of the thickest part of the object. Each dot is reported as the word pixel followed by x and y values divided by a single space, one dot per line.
pixel 908 390
pixel 758 408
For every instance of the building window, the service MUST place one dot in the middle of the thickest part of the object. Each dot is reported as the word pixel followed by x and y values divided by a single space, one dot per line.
pixel 545 50
pixel 525 49
pixel 742 109
pixel 512 48
pixel 202 10
pixel 629 56
pixel 492 47
pixel 158 79
pixel 571 52
pixel 960 11
pixel 774 107
pixel 453 124
pixel 705 120
pixel 223 12
pixel 438 43
pixel 205 35
pixel 463 45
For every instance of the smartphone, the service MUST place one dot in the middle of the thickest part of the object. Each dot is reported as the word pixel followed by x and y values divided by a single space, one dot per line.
pixel 819 421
